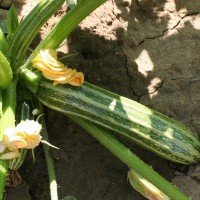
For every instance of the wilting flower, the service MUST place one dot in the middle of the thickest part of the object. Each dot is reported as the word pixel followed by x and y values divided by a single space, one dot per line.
pixel 13 140
pixel 145 188
pixel 31 131
pixel 25 135
pixel 47 62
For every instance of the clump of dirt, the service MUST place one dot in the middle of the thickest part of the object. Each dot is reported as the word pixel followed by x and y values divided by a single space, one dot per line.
pixel 149 53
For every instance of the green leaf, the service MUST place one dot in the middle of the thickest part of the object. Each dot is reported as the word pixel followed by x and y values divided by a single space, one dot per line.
pixel 3 26
pixel 7 120
pixel 23 112
pixel 6 74
pixel 13 22
pixel 3 42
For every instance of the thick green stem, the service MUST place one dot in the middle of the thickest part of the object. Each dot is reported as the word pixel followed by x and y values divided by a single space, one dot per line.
pixel 65 26
pixel 30 79
pixel 7 120
pixel 29 28
pixel 130 159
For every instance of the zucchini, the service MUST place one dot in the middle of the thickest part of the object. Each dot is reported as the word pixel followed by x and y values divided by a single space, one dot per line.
pixel 146 127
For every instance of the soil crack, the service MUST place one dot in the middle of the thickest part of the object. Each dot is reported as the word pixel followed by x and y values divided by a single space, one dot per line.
pixel 160 35
pixel 188 14
pixel 168 29
pixel 193 79
pixel 127 72
pixel 126 62
pixel 150 93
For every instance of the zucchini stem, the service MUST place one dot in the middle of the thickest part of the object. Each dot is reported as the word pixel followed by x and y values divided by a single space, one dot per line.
pixel 7 120
pixel 49 160
pixel 130 159
pixel 28 29
pixel 65 26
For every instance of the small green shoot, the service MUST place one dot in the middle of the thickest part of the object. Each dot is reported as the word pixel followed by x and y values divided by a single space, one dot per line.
pixel 13 22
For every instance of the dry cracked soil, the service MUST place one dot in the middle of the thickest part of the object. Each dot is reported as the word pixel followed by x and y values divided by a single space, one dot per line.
pixel 144 50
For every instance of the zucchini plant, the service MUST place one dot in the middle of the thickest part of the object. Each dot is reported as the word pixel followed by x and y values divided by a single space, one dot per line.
pixel 91 107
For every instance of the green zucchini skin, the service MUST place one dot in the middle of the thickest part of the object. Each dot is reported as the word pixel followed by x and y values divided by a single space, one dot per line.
pixel 146 127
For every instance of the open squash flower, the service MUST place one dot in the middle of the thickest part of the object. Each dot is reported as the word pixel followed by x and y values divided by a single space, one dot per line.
pixel 25 135
pixel 52 69
pixel 31 131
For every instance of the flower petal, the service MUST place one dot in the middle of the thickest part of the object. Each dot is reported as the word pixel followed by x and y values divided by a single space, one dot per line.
pixel 2 146
pixel 31 129
pixel 52 69
pixel 10 155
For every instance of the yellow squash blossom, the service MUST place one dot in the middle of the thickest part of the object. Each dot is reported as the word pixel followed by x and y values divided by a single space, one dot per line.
pixel 52 69
pixel 25 135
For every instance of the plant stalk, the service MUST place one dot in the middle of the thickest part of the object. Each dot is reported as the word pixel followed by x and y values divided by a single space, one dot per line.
pixel 29 28
pixel 7 120
pixel 130 159
pixel 49 161
pixel 65 26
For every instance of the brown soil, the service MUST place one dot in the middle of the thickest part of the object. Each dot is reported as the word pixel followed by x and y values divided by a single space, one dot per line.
pixel 145 50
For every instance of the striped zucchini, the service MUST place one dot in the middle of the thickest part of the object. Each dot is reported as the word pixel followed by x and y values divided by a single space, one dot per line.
pixel 148 128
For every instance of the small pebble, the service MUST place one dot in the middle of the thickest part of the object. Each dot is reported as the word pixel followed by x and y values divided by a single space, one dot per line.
pixel 5 4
